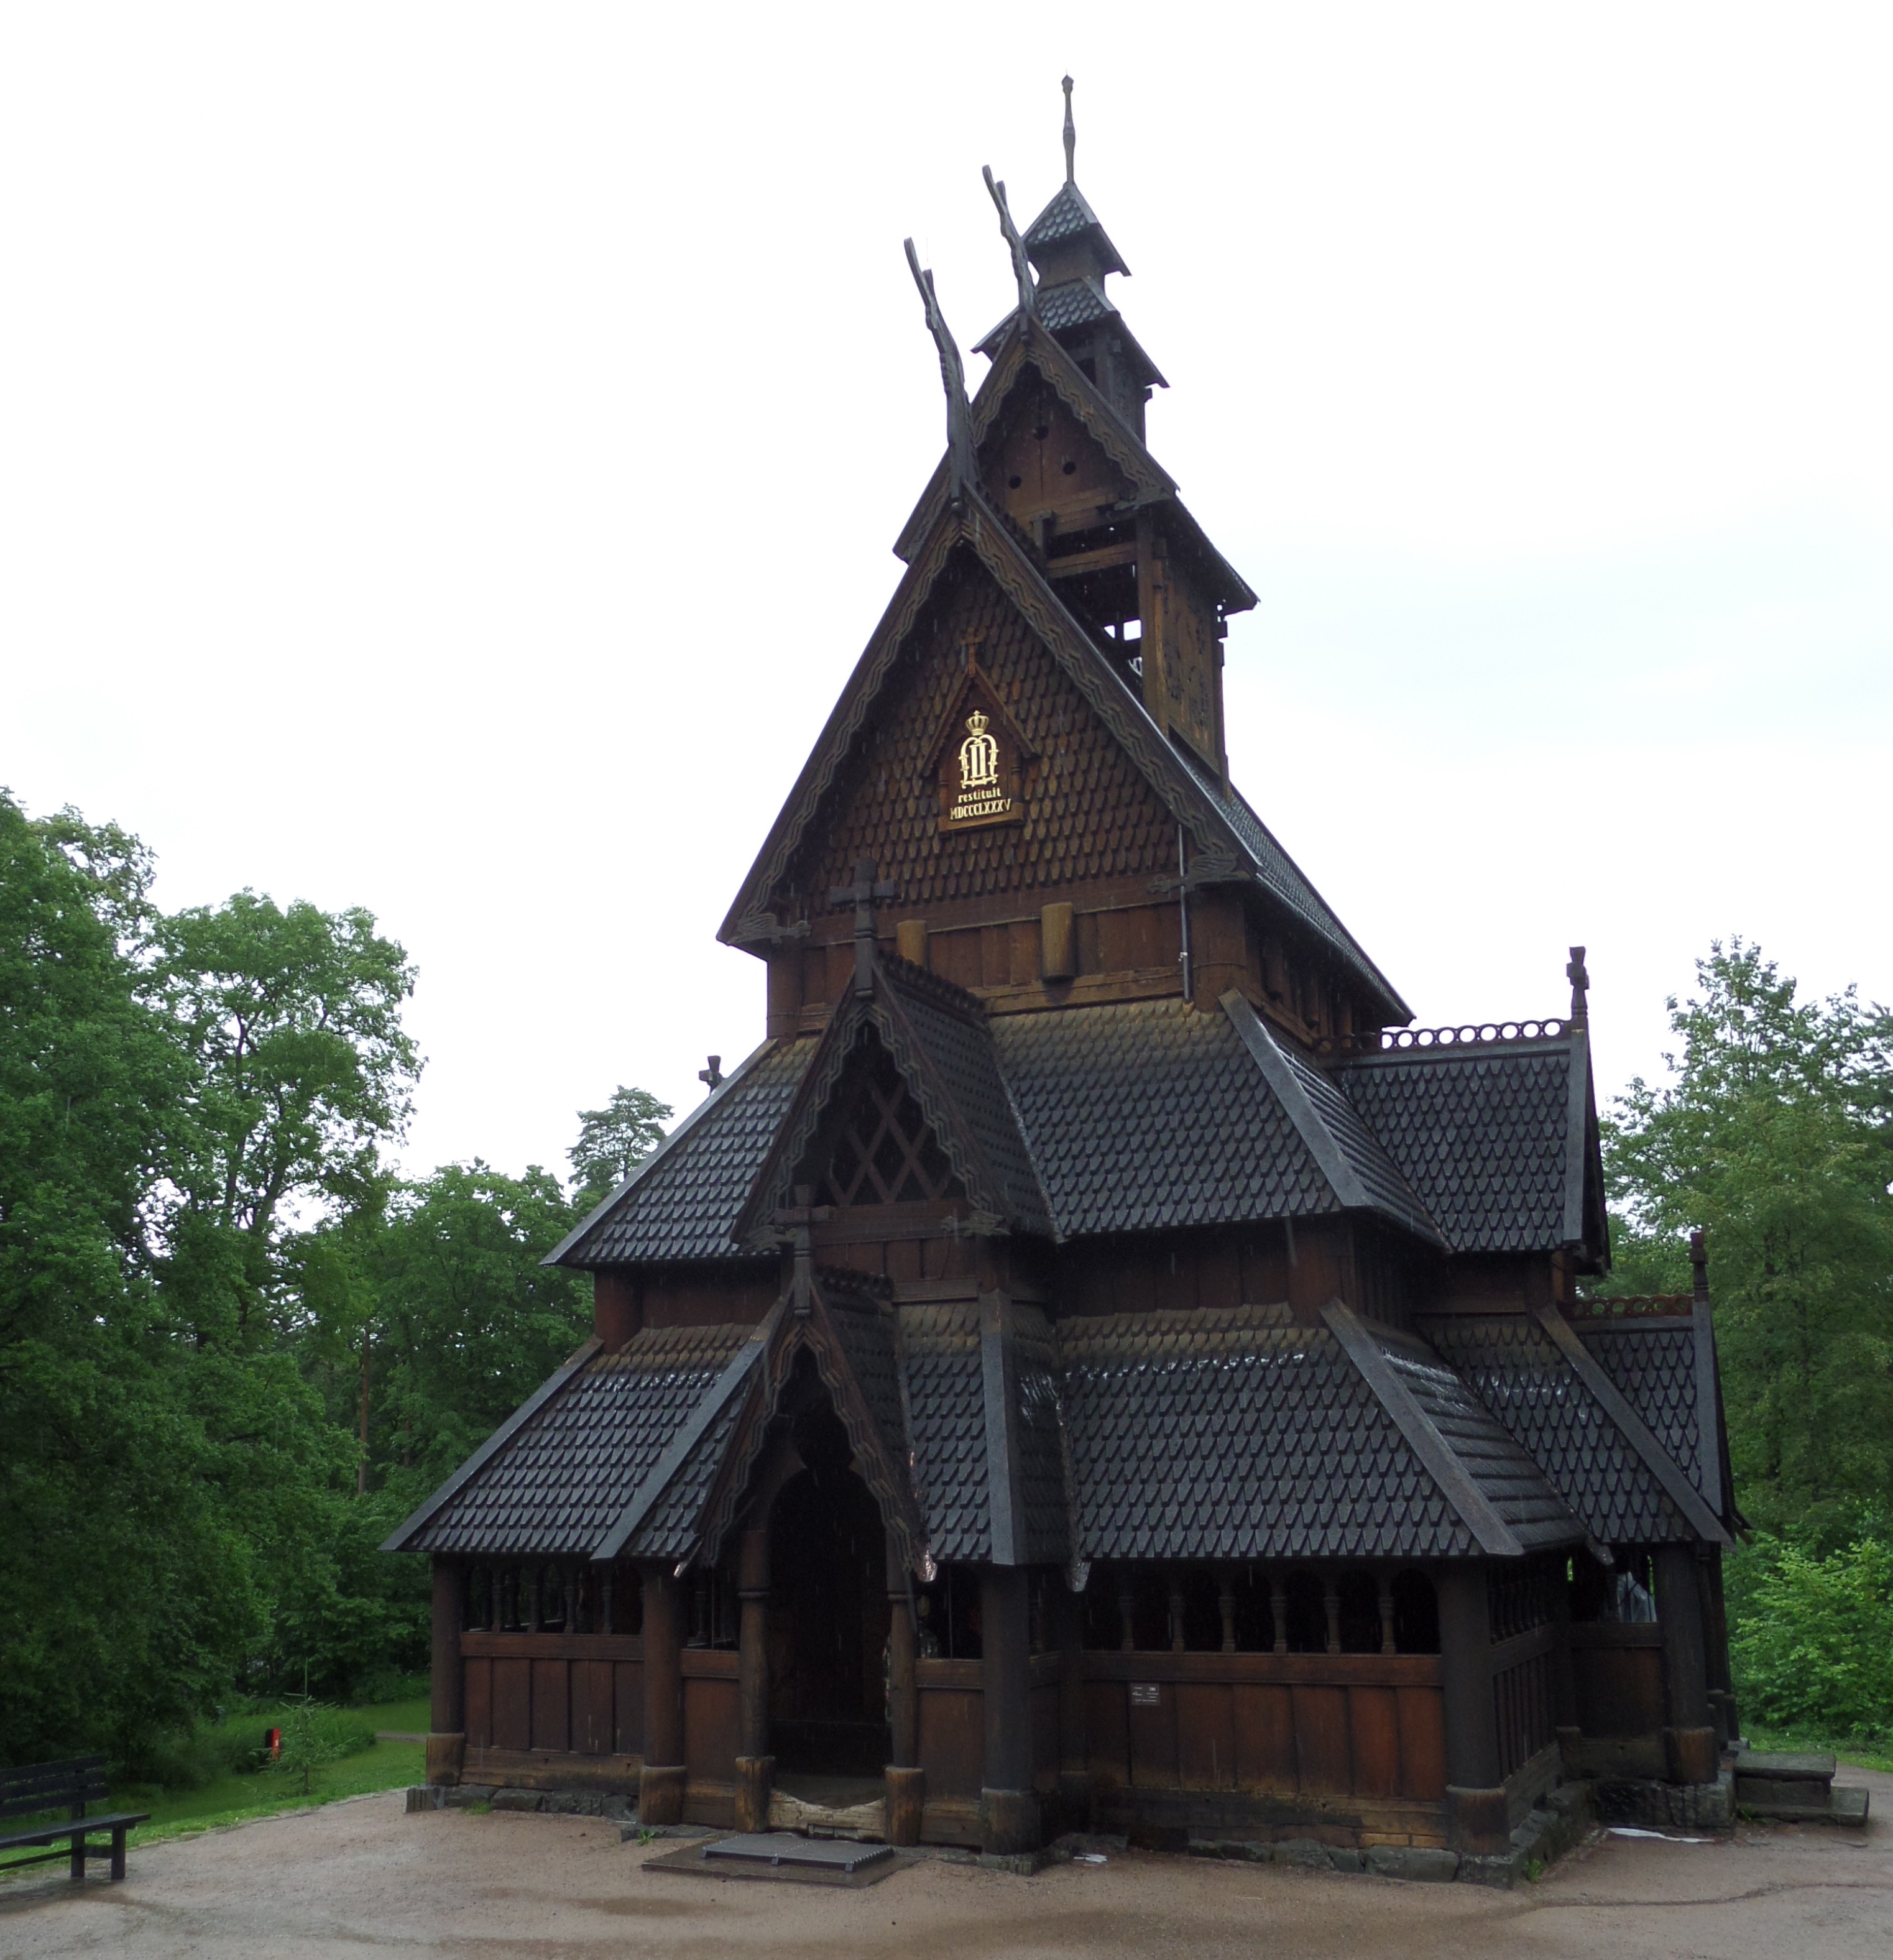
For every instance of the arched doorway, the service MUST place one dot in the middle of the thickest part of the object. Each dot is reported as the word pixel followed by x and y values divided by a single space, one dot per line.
pixel 828 1614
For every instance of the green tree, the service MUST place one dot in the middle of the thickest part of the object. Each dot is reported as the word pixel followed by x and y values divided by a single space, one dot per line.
pixel 1775 1133
pixel 126 1595
pixel 304 1074
pixel 613 1141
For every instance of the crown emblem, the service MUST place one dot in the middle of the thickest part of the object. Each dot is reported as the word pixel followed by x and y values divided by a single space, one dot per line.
pixel 976 721
pixel 978 755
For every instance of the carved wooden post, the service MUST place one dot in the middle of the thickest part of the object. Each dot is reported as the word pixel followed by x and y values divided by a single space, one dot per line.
pixel 1476 1818
pixel 1226 1605
pixel 1009 1807
pixel 1330 1606
pixel 1176 1612
pixel 446 1737
pixel 1278 1613
pixel 1127 1612
pixel 1388 1643
pixel 1689 1739
pixel 906 1780
pixel 756 1767
pixel 660 1783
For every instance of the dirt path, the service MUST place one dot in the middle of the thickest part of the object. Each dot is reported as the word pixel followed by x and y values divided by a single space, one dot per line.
pixel 362 1876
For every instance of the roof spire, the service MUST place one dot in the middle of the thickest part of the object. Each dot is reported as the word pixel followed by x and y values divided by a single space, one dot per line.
pixel 1070 137
pixel 1021 265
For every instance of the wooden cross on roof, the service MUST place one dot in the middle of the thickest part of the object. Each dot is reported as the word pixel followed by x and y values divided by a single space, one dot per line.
pixel 862 895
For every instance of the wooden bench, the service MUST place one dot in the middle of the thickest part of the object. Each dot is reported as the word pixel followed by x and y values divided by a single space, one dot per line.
pixel 71 1784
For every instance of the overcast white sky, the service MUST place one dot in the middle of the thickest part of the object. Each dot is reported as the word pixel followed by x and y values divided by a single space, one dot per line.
pixel 449 456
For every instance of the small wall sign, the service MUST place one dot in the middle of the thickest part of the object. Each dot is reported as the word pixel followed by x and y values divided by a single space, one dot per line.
pixel 1146 1694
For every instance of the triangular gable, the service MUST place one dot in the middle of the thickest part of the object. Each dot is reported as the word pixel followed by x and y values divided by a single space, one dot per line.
pixel 1217 838
pixel 844 1323
pixel 935 1040
pixel 1146 479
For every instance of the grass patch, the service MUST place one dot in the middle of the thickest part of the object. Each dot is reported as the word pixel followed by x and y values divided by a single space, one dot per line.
pixel 236 1788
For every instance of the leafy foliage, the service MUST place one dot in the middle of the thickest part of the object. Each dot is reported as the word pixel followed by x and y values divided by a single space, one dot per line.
pixel 1776 1134
pixel 1813 1638
pixel 613 1141
pixel 234 1350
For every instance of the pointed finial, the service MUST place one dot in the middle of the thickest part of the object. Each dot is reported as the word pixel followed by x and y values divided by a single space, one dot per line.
pixel 1071 136
pixel 1021 265
pixel 1580 981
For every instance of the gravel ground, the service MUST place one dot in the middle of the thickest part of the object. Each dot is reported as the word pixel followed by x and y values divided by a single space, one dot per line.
pixel 364 1876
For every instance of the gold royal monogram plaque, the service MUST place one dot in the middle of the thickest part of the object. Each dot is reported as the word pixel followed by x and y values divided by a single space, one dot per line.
pixel 982 797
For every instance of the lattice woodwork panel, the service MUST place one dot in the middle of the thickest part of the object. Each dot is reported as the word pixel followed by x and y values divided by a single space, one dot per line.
pixel 1089 812
pixel 881 1151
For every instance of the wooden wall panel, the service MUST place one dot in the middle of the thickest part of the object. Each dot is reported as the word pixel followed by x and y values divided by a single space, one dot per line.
pixel 1206 1753
pixel 1044 1735
pixel 479 1704
pixel 952 1741
pixel 628 1695
pixel 1264 1719
pixel 1107 1737
pixel 1320 1740
pixel 594 1728
pixel 1423 1743
pixel 1620 1690
pixel 512 1704
pixel 551 1705
pixel 1153 1739
pixel 711 1717
pixel 1373 1736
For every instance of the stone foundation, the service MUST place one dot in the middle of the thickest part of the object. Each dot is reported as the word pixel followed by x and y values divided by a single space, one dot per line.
pixel 1667 1806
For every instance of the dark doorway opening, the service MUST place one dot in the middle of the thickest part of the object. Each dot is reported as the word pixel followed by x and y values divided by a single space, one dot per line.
pixel 828 1615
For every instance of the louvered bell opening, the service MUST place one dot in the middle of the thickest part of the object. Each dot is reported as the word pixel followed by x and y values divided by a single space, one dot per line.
pixel 883 1152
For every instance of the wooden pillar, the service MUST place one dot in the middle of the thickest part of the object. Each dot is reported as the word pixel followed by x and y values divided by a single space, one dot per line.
pixel 1009 1807
pixel 1476 1818
pixel 447 1738
pixel 756 1767
pixel 660 1782
pixel 1127 1612
pixel 906 1780
pixel 1722 1683
pixel 1074 1744
pixel 1278 1612
pixel 1689 1739
pixel 1226 1605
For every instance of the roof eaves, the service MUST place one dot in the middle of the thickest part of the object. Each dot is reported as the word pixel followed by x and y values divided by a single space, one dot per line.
pixel 1677 1486
pixel 596 1216
pixel 397 1539
pixel 1494 1536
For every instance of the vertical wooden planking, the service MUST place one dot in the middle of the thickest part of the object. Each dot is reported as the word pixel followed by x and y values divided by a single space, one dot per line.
pixel 1044 1735
pixel 995 956
pixel 1152 1728
pixel 710 1725
pixel 1107 1732
pixel 1423 1743
pixel 1263 1719
pixel 952 1741
pixel 1373 1728
pixel 551 1704
pixel 479 1704
pixel 1022 962
pixel 1205 1735
pixel 1321 1741
pixel 512 1704
pixel 627 1686
pixel 903 1259
pixel 592 1722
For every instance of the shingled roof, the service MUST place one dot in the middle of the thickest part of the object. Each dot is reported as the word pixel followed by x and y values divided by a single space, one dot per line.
pixel 682 1202
pixel 1238 1434
pixel 559 1480
pixel 1494 1139
pixel 1521 1375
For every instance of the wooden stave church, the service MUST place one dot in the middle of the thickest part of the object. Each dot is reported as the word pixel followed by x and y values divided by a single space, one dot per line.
pixel 1094 1365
